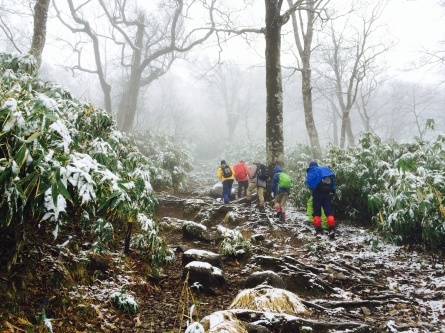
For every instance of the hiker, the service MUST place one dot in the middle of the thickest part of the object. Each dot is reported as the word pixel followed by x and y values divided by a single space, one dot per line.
pixel 226 174
pixel 242 175
pixel 321 181
pixel 258 180
pixel 280 187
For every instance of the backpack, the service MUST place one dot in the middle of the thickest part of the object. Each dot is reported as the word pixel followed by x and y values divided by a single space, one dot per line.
pixel 262 172
pixel 325 184
pixel 226 171
pixel 240 173
pixel 284 181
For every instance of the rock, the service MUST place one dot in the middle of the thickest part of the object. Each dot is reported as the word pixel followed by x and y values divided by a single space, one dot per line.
pixel 252 328
pixel 269 278
pixel 204 273
pixel 258 237
pixel 212 258
pixel 366 311
pixel 171 223
pixel 195 230
pixel 216 191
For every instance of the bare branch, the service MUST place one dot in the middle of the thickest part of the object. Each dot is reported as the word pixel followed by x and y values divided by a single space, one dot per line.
pixel 9 34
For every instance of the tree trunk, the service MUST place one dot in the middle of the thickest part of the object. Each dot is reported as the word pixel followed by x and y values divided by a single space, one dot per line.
pixel 308 112
pixel 334 122
pixel 304 49
pixel 39 35
pixel 129 101
pixel 351 140
pixel 344 122
pixel 274 89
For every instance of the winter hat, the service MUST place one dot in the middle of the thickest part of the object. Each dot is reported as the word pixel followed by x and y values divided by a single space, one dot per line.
pixel 223 162
pixel 256 161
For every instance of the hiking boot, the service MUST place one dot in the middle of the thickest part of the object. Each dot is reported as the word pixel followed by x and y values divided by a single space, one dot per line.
pixel 318 230
pixel 261 208
pixel 278 211
pixel 283 217
pixel 248 202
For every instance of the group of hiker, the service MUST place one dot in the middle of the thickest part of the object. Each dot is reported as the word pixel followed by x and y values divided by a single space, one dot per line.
pixel 319 179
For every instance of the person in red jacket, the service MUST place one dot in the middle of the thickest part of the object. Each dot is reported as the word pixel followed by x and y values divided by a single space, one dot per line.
pixel 242 176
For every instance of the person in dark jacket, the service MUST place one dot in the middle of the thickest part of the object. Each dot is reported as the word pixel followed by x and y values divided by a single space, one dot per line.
pixel 256 183
pixel 279 194
pixel 321 181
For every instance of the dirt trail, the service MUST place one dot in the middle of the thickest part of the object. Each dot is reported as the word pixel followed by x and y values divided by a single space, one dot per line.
pixel 386 287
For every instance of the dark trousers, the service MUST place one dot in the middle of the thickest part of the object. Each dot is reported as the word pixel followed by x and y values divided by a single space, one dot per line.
pixel 227 189
pixel 242 185
pixel 322 199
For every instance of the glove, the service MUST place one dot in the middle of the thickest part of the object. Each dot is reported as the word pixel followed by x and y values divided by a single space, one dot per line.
pixel 272 194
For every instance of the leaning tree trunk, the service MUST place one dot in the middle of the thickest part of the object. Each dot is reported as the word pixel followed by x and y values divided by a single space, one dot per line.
pixel 129 101
pixel 307 105
pixel 304 49
pixel 39 35
pixel 274 89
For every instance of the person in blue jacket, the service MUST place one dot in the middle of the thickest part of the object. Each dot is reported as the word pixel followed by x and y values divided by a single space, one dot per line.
pixel 321 181
pixel 279 194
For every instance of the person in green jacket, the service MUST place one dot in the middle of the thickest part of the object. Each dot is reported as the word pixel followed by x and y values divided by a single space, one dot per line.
pixel 310 211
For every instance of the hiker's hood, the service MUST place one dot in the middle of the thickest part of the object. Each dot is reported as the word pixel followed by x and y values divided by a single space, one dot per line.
pixel 277 169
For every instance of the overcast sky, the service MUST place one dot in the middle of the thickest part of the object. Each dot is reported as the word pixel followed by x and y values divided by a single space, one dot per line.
pixel 417 24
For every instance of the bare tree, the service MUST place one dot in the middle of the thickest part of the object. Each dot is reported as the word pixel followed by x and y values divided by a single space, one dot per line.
pixel 83 26
pixel 368 111
pixel 148 47
pixel 349 58
pixel 303 35
pixel 15 37
pixel 417 102
pixel 227 84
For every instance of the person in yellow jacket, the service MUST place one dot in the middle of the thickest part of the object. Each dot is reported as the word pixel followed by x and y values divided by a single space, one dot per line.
pixel 227 175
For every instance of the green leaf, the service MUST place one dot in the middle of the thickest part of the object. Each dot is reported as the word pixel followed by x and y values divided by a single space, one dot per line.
pixel 21 155
pixel 54 193
pixel 109 200
pixel 33 136
pixel 63 190
pixel 42 188
pixel 51 117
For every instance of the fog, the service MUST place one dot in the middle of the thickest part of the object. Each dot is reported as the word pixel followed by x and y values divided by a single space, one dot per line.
pixel 216 92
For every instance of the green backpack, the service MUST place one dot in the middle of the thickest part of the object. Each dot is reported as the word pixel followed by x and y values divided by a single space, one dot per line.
pixel 284 181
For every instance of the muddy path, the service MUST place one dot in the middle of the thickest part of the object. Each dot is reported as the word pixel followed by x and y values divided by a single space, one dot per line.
pixel 358 277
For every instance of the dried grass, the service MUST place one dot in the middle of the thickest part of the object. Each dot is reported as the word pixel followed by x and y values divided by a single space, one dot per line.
pixel 222 321
pixel 268 299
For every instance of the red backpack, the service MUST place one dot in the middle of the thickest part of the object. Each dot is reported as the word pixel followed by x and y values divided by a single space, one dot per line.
pixel 240 173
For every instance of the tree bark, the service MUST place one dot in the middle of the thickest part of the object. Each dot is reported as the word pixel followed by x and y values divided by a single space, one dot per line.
pixel 130 97
pixel 274 89
pixel 39 36
pixel 304 49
